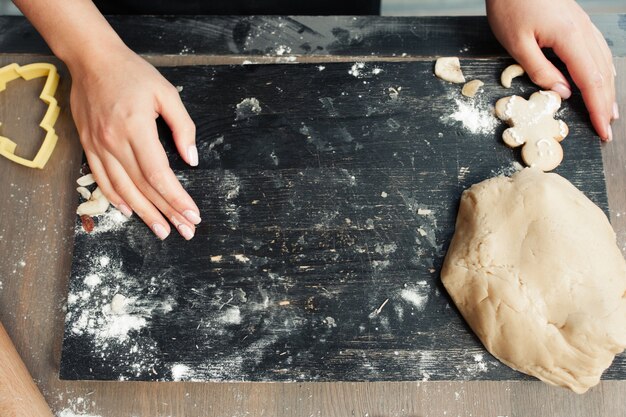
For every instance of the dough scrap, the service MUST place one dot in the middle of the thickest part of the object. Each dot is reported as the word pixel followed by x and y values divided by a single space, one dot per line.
pixel 533 125
pixel 471 88
pixel 449 69
pixel 535 270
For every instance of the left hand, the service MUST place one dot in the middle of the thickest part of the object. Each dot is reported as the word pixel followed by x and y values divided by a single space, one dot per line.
pixel 525 26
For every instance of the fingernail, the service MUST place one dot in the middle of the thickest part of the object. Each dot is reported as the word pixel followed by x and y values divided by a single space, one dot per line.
pixel 159 231
pixel 126 211
pixel 192 156
pixel 192 216
pixel 614 71
pixel 615 111
pixel 185 231
pixel 609 136
pixel 562 90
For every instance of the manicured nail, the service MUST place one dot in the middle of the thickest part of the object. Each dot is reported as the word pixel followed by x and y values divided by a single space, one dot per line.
pixel 159 231
pixel 192 216
pixel 562 90
pixel 185 231
pixel 192 156
pixel 126 211
pixel 615 111
pixel 609 136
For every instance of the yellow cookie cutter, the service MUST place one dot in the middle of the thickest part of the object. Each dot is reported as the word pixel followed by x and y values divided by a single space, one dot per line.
pixel 28 72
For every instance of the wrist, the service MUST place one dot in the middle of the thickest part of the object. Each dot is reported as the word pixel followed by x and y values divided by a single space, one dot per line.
pixel 91 53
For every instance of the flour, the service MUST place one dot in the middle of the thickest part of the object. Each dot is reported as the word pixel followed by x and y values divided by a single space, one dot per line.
pixel 360 70
pixel 283 49
pixel 70 413
pixel 355 70
pixel 474 116
pixel 111 221
pixel 231 316
pixel 77 407
pixel 247 108
pixel 416 295
pixel 180 372
pixel 110 308
pixel 507 170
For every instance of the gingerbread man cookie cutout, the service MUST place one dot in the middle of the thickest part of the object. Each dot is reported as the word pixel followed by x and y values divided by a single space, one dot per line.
pixel 534 127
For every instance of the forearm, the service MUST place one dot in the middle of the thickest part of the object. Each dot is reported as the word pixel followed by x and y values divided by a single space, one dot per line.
pixel 74 29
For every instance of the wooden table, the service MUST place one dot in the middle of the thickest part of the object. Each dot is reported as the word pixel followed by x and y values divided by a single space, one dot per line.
pixel 37 220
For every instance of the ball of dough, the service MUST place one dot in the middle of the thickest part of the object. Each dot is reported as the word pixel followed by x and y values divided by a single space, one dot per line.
pixel 535 270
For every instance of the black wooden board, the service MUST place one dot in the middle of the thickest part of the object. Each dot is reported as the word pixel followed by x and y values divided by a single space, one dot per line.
pixel 327 213
pixel 467 36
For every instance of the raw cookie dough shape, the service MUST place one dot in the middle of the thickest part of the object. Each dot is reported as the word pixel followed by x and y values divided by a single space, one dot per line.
pixel 535 270
pixel 28 72
pixel 533 126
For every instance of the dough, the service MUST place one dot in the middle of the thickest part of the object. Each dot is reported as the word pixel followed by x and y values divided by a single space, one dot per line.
pixel 535 270
pixel 533 126
pixel 449 69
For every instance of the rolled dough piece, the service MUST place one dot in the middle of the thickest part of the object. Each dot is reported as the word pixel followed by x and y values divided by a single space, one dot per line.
pixel 535 270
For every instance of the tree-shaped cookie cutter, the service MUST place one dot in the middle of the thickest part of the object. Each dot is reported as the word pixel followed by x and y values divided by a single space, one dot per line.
pixel 28 72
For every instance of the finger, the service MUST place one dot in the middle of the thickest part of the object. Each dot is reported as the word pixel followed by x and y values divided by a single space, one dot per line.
pixel 102 179
pixel 540 70
pixel 153 166
pixel 173 111
pixel 608 57
pixel 590 77
pixel 605 66
pixel 128 160
pixel 125 187
pixel 184 227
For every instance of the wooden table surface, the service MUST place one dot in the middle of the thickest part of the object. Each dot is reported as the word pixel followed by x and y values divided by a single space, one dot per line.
pixel 37 219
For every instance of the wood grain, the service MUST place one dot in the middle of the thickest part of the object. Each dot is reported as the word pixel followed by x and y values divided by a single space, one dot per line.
pixel 278 37
pixel 36 226
pixel 314 202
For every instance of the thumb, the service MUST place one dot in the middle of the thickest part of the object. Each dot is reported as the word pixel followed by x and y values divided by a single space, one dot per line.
pixel 173 111
pixel 540 70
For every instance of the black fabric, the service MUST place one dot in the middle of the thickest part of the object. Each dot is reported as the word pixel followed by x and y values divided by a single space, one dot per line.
pixel 240 7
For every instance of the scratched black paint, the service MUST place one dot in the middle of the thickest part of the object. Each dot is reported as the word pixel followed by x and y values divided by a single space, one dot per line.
pixel 310 216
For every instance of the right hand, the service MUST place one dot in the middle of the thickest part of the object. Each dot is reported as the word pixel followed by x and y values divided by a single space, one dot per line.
pixel 115 102
pixel 525 26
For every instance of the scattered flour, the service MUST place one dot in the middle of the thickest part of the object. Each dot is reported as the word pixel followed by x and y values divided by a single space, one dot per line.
pixel 111 221
pixel 355 70
pixel 108 307
pixel 180 372
pixel 242 258
pixel 476 118
pixel 70 413
pixel 508 170
pixel 231 316
pixel 92 280
pixel 283 49
pixel 247 108
pixel 330 322
pixel 417 295
pixel 463 171
pixel 360 70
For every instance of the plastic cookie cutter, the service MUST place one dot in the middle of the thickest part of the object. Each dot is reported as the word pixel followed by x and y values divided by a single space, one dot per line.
pixel 28 72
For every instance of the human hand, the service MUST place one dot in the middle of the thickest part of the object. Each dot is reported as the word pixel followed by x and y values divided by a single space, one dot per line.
pixel 115 101
pixel 525 26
